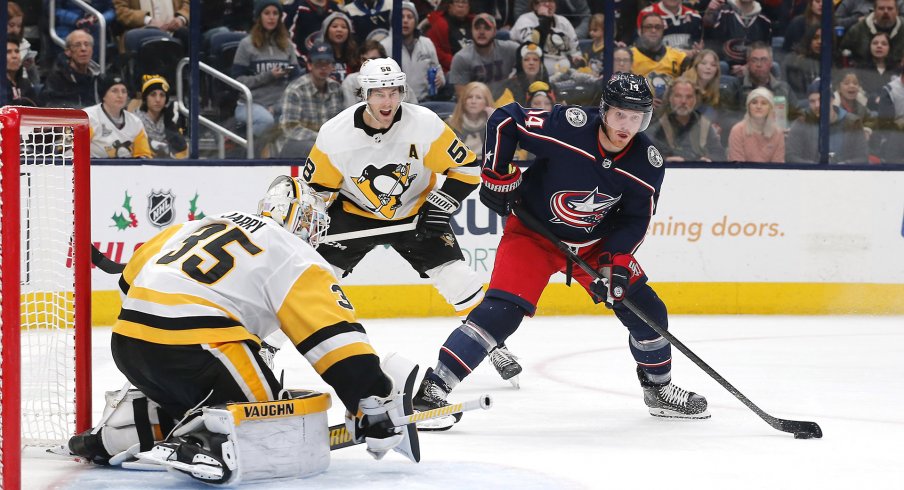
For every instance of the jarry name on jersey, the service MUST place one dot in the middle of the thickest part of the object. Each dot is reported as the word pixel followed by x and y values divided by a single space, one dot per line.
pixel 249 223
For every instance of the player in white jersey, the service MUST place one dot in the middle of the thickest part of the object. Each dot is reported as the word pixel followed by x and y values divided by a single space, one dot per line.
pixel 200 296
pixel 379 160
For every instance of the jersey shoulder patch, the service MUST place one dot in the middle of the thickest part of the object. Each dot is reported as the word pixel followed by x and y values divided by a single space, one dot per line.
pixel 576 116
pixel 654 157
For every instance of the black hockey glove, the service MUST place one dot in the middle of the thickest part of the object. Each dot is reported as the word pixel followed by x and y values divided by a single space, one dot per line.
pixel 499 192
pixel 620 273
pixel 433 218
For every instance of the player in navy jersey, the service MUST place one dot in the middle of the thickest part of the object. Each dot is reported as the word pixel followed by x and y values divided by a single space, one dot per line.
pixel 594 184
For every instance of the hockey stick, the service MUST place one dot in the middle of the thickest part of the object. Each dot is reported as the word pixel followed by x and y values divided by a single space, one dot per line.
pixel 340 438
pixel 800 429
pixel 105 264
pixel 383 230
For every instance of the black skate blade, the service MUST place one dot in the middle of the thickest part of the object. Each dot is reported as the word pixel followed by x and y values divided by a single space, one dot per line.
pixel 802 429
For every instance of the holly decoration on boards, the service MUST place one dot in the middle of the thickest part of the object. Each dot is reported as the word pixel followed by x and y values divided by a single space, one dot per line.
pixel 193 212
pixel 120 221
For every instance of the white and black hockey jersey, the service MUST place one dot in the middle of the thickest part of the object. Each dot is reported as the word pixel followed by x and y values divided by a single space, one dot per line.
pixel 238 277
pixel 387 175
pixel 111 141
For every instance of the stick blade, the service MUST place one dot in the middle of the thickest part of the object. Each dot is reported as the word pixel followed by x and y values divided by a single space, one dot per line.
pixel 802 429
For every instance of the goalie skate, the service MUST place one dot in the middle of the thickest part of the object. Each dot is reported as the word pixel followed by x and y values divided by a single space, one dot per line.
pixel 431 395
pixel 669 401
pixel 506 365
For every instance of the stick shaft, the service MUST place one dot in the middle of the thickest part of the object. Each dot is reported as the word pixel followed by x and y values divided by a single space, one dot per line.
pixel 383 230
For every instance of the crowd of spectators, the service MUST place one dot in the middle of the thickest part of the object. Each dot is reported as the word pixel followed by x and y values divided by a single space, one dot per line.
pixel 733 80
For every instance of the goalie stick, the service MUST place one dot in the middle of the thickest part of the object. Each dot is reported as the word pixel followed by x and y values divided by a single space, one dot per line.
pixel 382 230
pixel 340 438
pixel 800 429
pixel 105 264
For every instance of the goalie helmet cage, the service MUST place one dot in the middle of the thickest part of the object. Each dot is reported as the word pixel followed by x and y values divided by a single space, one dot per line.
pixel 45 301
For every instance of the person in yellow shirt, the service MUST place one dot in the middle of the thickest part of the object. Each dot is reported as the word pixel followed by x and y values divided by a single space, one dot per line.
pixel 651 54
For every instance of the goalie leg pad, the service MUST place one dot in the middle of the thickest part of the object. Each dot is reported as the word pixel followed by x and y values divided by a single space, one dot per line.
pixel 249 442
pixel 458 284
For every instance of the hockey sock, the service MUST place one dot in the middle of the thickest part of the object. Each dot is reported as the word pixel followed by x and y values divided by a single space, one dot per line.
pixel 463 351
pixel 498 318
pixel 652 352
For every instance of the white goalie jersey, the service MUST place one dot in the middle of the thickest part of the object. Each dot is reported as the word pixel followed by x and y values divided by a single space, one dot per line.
pixel 233 277
pixel 387 175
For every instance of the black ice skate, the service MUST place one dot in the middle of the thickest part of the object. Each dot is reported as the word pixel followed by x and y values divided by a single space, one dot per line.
pixel 433 395
pixel 668 400
pixel 506 364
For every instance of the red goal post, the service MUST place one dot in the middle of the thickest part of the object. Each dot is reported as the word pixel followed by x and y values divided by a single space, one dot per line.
pixel 45 303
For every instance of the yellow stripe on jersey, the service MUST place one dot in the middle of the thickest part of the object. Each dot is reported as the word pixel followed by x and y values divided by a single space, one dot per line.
pixel 325 173
pixel 342 353
pixel 669 64
pixel 447 154
pixel 314 301
pixel 174 299
pixel 146 251
pixel 182 337
pixel 244 368
pixel 141 148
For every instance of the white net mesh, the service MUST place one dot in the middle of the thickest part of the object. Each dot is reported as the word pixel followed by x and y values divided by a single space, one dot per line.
pixel 47 285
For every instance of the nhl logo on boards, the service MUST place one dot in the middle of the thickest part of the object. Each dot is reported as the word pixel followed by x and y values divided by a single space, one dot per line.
pixel 576 117
pixel 654 156
pixel 161 208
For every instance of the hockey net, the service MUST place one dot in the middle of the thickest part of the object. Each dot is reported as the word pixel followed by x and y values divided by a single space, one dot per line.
pixel 44 271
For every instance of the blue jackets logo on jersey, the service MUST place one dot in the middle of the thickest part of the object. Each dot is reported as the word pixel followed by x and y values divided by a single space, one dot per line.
pixel 581 209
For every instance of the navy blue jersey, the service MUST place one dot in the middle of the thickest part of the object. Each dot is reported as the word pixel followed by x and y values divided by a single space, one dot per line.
pixel 582 192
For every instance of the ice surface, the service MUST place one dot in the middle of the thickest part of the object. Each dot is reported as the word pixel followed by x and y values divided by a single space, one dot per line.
pixel 579 420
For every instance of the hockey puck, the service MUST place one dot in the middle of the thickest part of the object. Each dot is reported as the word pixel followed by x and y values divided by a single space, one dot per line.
pixel 803 435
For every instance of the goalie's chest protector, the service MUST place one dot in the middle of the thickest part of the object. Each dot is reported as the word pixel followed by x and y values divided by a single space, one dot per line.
pixel 385 175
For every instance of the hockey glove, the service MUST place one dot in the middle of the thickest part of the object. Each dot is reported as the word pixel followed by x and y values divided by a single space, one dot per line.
pixel 620 273
pixel 433 218
pixel 499 192
pixel 373 426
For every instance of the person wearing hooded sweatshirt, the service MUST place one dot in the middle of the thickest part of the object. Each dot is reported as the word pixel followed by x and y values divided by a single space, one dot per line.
pixel 265 62
pixel 886 18
pixel 733 25
pixel 528 69
pixel 304 18
pixel 115 132
pixel 847 141
pixel 418 55
pixel 336 30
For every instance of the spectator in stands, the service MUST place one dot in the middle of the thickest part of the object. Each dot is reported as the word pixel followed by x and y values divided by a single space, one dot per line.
pixel 576 11
pixel 593 52
pixel 849 12
pixel 553 33
pixel 369 18
pixel 265 62
pixel 308 102
pixel 69 17
pixel 115 132
pixel 501 10
pixel 682 133
pixel 759 74
pixel 418 57
pixel 156 115
pixel 847 141
pixel 851 98
pixel 884 19
pixel 650 54
pixel 71 81
pixel 683 25
pixel 541 96
pixel 802 66
pixel 812 16
pixel 450 29
pixel 487 59
pixel 528 70
pixel 15 29
pixel 735 25
pixel 171 17
pixel 469 119
pixel 757 138
pixel 878 70
pixel 887 140
pixel 304 18
pixel 713 93
pixel 226 16
pixel 336 31
pixel 18 88
pixel 622 60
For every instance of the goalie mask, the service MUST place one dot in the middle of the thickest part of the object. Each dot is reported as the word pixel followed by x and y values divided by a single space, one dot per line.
pixel 295 206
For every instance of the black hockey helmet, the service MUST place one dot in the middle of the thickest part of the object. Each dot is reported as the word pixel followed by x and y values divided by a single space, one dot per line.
pixel 628 91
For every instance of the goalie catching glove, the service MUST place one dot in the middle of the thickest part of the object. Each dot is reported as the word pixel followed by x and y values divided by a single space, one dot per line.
pixel 621 271
pixel 500 191
pixel 434 216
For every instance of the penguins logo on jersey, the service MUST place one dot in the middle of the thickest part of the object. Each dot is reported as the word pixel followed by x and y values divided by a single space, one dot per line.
pixel 383 187
pixel 581 209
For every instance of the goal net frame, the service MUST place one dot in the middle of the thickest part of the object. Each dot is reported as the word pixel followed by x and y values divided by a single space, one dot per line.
pixel 32 141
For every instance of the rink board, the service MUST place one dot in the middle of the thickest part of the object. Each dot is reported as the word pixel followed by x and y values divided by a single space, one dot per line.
pixel 764 241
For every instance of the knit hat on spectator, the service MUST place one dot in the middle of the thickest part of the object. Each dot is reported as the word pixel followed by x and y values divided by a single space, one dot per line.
pixel 260 5
pixel 321 51
pixel 107 81
pixel 153 82
pixel 484 18
pixel 410 6
pixel 761 92
pixel 540 88
pixel 814 87
pixel 531 48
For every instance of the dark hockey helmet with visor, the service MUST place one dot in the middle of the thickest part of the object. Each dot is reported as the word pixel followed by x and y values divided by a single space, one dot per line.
pixel 630 92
